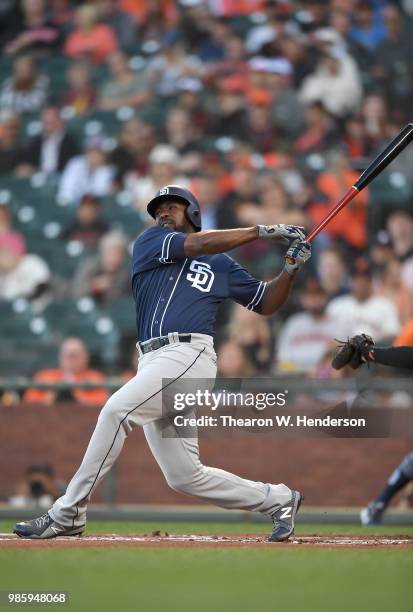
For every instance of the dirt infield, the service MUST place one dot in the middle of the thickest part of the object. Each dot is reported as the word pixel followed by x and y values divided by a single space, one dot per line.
pixel 165 540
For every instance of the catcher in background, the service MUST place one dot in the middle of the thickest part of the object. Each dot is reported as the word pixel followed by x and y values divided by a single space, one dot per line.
pixel 355 352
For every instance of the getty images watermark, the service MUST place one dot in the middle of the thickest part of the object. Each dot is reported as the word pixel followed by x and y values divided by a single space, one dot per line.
pixel 223 398
pixel 214 400
pixel 285 408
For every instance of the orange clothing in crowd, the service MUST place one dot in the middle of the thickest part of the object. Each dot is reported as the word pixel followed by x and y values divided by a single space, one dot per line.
pixel 405 338
pixel 95 45
pixel 350 224
pixel 229 8
pixel 140 9
pixel 93 397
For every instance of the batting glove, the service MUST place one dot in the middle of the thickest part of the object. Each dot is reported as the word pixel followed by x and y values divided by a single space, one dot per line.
pixel 283 234
pixel 296 256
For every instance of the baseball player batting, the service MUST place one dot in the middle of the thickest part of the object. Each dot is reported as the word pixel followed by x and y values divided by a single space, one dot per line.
pixel 180 275
pixel 355 352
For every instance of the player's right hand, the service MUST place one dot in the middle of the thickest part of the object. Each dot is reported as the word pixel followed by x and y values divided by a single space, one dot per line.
pixel 296 256
pixel 281 233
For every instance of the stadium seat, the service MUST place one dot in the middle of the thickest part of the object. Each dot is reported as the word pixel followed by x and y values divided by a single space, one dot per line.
pixel 389 190
pixel 122 312
pixel 120 214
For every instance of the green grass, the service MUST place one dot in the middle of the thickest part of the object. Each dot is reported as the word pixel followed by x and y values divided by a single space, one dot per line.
pixel 216 579
pixel 217 528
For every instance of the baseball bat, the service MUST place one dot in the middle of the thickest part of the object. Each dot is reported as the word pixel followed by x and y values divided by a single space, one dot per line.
pixel 396 146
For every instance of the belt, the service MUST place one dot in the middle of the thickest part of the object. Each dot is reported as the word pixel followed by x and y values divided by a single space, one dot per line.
pixel 157 343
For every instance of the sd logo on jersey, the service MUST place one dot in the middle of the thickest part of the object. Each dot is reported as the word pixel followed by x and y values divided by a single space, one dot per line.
pixel 203 276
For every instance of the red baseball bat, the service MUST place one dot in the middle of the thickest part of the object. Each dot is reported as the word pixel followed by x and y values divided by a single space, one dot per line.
pixel 377 165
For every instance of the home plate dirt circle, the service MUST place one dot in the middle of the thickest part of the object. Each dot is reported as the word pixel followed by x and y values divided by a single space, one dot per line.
pixel 172 540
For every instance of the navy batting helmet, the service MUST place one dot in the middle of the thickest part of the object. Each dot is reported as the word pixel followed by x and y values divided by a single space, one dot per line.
pixel 180 194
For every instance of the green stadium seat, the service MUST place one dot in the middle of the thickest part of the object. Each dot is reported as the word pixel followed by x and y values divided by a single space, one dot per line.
pixel 120 214
pixel 101 336
pixel 105 123
pixel 388 191
pixel 122 312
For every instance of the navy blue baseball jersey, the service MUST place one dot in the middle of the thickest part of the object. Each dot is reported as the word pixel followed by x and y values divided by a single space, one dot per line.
pixel 175 293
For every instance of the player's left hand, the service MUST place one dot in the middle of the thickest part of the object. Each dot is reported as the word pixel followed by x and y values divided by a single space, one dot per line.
pixel 296 256
pixel 281 233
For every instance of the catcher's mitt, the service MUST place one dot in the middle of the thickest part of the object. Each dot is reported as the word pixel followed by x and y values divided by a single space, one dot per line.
pixel 353 352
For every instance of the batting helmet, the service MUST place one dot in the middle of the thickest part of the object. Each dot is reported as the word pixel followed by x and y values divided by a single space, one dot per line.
pixel 180 194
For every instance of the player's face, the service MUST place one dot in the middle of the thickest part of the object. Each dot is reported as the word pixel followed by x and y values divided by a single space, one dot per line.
pixel 171 215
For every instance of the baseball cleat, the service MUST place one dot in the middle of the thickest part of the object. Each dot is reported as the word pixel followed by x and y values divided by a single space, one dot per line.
pixel 372 514
pixel 283 519
pixel 45 527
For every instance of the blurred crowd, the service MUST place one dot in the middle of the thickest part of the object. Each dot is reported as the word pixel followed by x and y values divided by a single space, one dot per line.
pixel 267 110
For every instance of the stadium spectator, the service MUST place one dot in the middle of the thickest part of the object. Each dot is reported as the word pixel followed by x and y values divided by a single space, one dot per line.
pixel 22 275
pixel 206 190
pixel 73 368
pixel 336 83
pixel 375 116
pixel 136 141
pixel 363 311
pixel 183 135
pixel 332 272
pixel 244 191
pixel 319 133
pixel 286 108
pixel 389 283
pixel 153 18
pixel 253 333
pixel 350 225
pixel 234 62
pixel 229 117
pixel 300 54
pixel 10 21
pixel 261 131
pixel 80 94
pixel 88 226
pixel 189 99
pixel 119 21
pixel 9 238
pixel 259 36
pixel 368 28
pixel 392 61
pixel 208 36
pixel 105 277
pixel 233 361
pixel 400 229
pixel 10 144
pixel 90 40
pixel 341 20
pixel 163 170
pixel 62 12
pixel 87 173
pixel 275 203
pixel 39 487
pixel 125 87
pixel 181 132
pixel 171 64
pixel 38 34
pixel 306 336
pixel 26 90
pixel 51 151
pixel 405 337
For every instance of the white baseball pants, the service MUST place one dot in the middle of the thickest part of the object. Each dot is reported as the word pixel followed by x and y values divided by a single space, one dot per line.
pixel 139 402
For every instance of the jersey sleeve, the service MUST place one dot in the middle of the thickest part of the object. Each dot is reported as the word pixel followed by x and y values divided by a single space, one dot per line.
pixel 244 288
pixel 156 247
